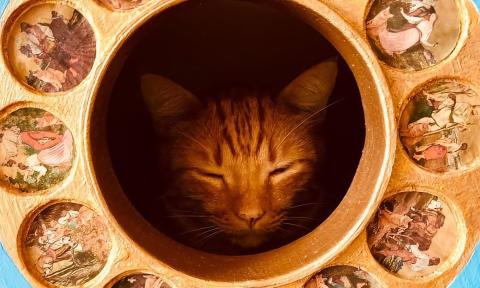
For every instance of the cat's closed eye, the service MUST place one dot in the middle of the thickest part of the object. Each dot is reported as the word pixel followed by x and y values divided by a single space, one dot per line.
pixel 215 180
pixel 210 175
pixel 280 170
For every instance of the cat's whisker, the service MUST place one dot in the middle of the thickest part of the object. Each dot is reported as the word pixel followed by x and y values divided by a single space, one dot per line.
pixel 196 230
pixel 200 235
pixel 188 211
pixel 209 237
pixel 305 204
pixel 300 217
pixel 192 138
pixel 185 216
pixel 296 225
pixel 190 197
pixel 305 121
pixel 284 229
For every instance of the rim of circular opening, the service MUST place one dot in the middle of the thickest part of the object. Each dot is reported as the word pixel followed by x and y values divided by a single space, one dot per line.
pixel 303 256
pixel 25 226
pixel 460 227
pixel 425 86
pixel 10 188
pixel 6 37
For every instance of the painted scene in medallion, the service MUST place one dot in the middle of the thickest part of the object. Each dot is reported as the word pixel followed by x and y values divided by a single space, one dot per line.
pixel 141 281
pixel 412 234
pixel 67 244
pixel 51 47
pixel 413 34
pixel 342 276
pixel 122 4
pixel 36 150
pixel 440 127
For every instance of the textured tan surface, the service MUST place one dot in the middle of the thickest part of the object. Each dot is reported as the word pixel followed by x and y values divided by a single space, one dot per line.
pixel 340 240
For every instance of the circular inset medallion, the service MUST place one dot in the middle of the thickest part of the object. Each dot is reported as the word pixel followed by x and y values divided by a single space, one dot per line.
pixel 412 233
pixel 36 150
pixel 122 4
pixel 67 244
pixel 342 276
pixel 440 127
pixel 141 281
pixel 413 34
pixel 51 47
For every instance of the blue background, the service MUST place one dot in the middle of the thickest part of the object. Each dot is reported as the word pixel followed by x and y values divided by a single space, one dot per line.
pixel 10 277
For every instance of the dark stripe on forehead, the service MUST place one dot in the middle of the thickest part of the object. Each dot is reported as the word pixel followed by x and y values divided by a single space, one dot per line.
pixel 249 125
pixel 237 129
pixel 260 140
pixel 228 139
pixel 217 154
pixel 220 112
pixel 272 154
pixel 243 121
pixel 261 125
pixel 242 141
pixel 232 108
pixel 261 111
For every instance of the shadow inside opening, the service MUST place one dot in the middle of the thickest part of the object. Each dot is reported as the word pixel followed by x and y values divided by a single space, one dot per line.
pixel 208 46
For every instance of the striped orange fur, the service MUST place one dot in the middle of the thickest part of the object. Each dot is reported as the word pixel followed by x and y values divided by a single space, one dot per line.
pixel 243 157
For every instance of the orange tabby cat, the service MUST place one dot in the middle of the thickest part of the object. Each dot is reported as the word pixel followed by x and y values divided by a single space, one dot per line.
pixel 238 161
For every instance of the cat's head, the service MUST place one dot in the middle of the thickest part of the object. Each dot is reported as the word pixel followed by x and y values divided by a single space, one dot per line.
pixel 243 156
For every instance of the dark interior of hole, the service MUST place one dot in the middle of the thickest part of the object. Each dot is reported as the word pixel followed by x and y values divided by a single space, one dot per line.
pixel 208 46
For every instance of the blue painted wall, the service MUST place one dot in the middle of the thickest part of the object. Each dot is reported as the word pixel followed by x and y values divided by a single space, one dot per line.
pixel 10 277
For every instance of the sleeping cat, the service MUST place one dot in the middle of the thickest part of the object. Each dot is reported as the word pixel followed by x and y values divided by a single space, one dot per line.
pixel 239 162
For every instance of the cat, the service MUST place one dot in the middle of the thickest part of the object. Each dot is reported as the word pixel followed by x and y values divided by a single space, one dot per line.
pixel 238 162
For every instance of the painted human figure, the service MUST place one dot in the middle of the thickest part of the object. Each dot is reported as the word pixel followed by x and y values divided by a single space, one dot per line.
pixel 403 26
pixel 409 242
pixel 40 40
pixel 53 149
pixel 9 140
pixel 354 280
pixel 11 161
pixel 57 243
pixel 153 282
pixel 446 113
pixel 317 281
pixel 25 157
pixel 41 47
pixel 122 4
pixel 145 281
pixel 445 151
pixel 68 57
pixel 399 29
pixel 47 120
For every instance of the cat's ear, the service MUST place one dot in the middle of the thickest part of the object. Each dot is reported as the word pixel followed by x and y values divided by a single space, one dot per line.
pixel 166 100
pixel 310 91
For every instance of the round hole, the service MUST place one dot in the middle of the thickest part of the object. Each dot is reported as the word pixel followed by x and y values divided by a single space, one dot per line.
pixel 50 47
pixel 342 276
pixel 439 127
pixel 413 234
pixel 36 150
pixel 66 244
pixel 141 280
pixel 107 118
pixel 236 137
pixel 121 4
pixel 413 35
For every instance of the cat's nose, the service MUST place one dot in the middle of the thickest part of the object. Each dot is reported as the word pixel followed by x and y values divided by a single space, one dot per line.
pixel 251 216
